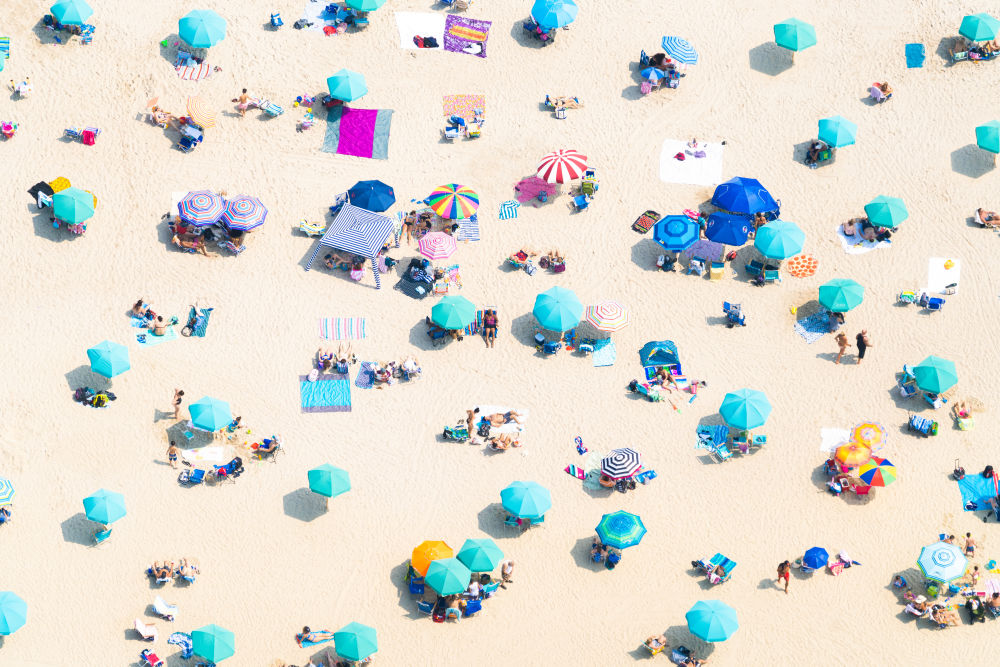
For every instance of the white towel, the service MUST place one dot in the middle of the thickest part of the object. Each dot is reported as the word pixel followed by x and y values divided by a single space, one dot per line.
pixel 833 438
pixel 425 24
pixel 857 245
pixel 203 454
pixel 692 170
pixel 512 427
pixel 938 277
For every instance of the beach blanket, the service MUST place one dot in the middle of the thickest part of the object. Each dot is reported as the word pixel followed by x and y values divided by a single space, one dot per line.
pixel 691 170
pixel 812 327
pixel 329 393
pixel 463 106
pixel 915 55
pixel 420 24
pixel 358 132
pixel 4 49
pixel 366 375
pixel 306 642
pixel 512 427
pixel 204 454
pixel 343 328
pixel 200 321
pixel 316 14
pixel 468 230
pixel 856 244
pixel 413 290
pixel 138 322
pixel 976 492
pixel 184 642
pixel 465 35
pixel 194 72
pixel 149 340
pixel 831 438
pixel 508 209
pixel 604 353
pixel 938 277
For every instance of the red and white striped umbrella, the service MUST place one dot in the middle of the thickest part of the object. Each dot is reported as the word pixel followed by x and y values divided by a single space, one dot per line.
pixel 437 245
pixel 608 316
pixel 562 165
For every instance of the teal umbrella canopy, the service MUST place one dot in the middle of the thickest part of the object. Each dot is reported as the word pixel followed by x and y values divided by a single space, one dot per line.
pixel 347 85
pixel 979 27
pixel 453 312
pixel 841 295
pixel 13 613
pixel 213 643
pixel 794 35
pixel 552 14
pixel 104 506
pixel 108 359
pixel 448 576
pixel 837 131
pixel 355 641
pixel 935 374
pixel 329 481
pixel 526 500
pixel 202 28
pixel 621 529
pixel 745 409
pixel 73 205
pixel 558 309
pixel 365 5
pixel 886 211
pixel 988 136
pixel 712 620
pixel 482 555
pixel 779 239
pixel 210 414
pixel 71 12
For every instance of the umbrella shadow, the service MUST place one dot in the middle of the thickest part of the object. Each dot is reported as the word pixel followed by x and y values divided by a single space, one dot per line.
pixel 405 599
pixel 633 92
pixel 78 529
pixel 420 339
pixel 523 37
pixel 522 329
pixel 45 35
pixel 172 44
pixel 769 58
pixel 42 219
pixel 177 433
pixel 581 554
pixel 304 505
pixel 972 161
pixel 645 251
pixel 491 521
pixel 801 150
pixel 679 635
pixel 82 376
pixel 943 50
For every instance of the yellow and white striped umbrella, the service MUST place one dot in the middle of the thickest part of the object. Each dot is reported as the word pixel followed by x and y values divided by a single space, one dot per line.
pixel 201 114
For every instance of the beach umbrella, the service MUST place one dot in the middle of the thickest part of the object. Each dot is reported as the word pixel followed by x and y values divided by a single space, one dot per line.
pixel 453 312
pixel 562 165
pixel 365 5
pixel 355 641
pixel 712 620
pixel 837 131
pixel 935 374
pixel 202 28
pixel 988 136
pixel 329 481
pixel 73 205
pixel 658 353
pixel 979 27
pixel 815 558
pixel 347 85
pixel 620 530
pixel 13 613
pixel 877 472
pixel 886 211
pixel 869 434
pixel 108 359
pixel 743 195
pixel 779 239
pixel 680 50
pixel 942 562
pixel 794 35
pixel 853 454
pixel 608 316
pixel 841 295
pixel 200 112
pixel 727 229
pixel 654 74
pixel 745 409
pixel 482 555
pixel 428 551
pixel 621 463
pixel 453 201
pixel 448 576
pixel 104 506
pixel 213 643
pixel 558 309
pixel 709 251
pixel 372 195
pixel 210 414
pixel 71 12
pixel 243 213
pixel 7 492
pixel 437 245
pixel 201 208
pixel 802 266
pixel 551 14
pixel 676 232
pixel 526 500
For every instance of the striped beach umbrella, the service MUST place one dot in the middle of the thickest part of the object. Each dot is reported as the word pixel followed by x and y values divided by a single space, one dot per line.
pixel 200 112
pixel 680 50
pixel 942 562
pixel 244 213
pixel 104 506
pixel 201 208
pixel 202 28
pixel 608 316
pixel 437 245
pixel 71 12
pixel 427 552
pixel 621 463
pixel 7 492
pixel 562 165
pixel 877 472
pixel 210 414
pixel 453 201
pixel 620 530
pixel 13 613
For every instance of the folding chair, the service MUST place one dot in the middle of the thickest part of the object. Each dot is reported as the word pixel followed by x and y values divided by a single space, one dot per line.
pixel 276 21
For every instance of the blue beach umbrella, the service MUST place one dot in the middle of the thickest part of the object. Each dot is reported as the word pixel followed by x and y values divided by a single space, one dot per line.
pixel 676 232
pixel 329 481
pixel 837 131
pixel 886 211
pixel 680 50
pixel 653 74
pixel 355 641
pixel 841 295
pixel 482 555
pixel 7 492
pixel 712 620
pixel 104 506
pixel 243 213
pixel 347 85
pixel 551 14
pixel 745 409
pixel 210 414
pixel 988 136
pixel 779 239
pixel 815 558
pixel 621 529
pixel 108 359
pixel 73 205
pixel 558 309
pixel 71 12
pixel 942 562
pixel 213 643
pixel 727 229
pixel 202 28
pixel 794 35
pixel 13 613
pixel 372 195
pixel 743 195
pixel 526 500
pixel 979 27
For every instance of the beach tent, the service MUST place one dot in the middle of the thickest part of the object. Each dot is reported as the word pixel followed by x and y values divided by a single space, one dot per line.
pixel 656 354
pixel 359 231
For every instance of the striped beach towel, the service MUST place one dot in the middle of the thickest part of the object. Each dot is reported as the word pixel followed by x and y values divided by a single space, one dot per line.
pixel 343 328
pixel 468 230
pixel 5 47
pixel 194 72
pixel 508 209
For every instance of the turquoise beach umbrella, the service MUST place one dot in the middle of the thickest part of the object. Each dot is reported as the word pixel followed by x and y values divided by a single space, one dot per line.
pixel 481 555
pixel 329 481
pixel 202 28
pixel 779 239
pixel 13 613
pixel 448 576
pixel 526 500
pixel 73 205
pixel 621 529
pixel 794 35
pixel 745 409
pixel 109 359
pixel 213 643
pixel 558 309
pixel 935 374
pixel 210 414
pixel 104 506
pixel 837 131
pixel 355 641
pixel 71 12
pixel 988 136
pixel 942 562
pixel 453 312
pixel 712 620
pixel 886 211
pixel 347 85
pixel 365 5
pixel 554 13
pixel 979 27
pixel 841 295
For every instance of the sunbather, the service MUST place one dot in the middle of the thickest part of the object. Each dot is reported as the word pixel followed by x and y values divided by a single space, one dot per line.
pixel 410 364
pixel 164 572
pixel 490 322
pixel 190 243
pixel 691 661
pixel 139 309
pixel 994 601
pixel 850 228
pixel 885 88
pixel 158 326
pixel 187 569
pixel 499 419
pixel 960 45
pixel 987 218
pixel 656 642
pixel 308 635
pixel 502 442
pixel 943 616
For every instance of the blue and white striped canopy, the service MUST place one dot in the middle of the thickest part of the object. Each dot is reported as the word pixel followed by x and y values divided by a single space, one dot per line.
pixel 680 50
pixel 6 492
pixel 359 231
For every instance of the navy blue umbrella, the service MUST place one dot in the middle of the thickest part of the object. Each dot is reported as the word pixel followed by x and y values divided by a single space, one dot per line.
pixel 744 195
pixel 727 229
pixel 372 195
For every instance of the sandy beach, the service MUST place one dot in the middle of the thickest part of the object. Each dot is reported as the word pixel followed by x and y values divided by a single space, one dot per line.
pixel 272 558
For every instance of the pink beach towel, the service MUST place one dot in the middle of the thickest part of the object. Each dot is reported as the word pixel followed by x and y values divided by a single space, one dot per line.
pixel 343 328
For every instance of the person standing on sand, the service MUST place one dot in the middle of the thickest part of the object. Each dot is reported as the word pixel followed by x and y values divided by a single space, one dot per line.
pixel 784 572
pixel 172 452
pixel 843 343
pixel 506 569
pixel 970 545
pixel 863 343
pixel 178 397
pixel 242 102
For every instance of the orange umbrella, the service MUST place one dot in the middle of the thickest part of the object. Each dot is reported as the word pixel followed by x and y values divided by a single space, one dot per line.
pixel 59 184
pixel 853 454
pixel 427 552
pixel 802 266
pixel 202 115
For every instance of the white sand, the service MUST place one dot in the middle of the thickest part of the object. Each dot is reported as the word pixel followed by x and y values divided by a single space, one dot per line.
pixel 270 564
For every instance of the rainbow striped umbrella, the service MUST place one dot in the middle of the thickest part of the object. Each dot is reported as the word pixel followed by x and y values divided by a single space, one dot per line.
pixel 200 112
pixel 201 208
pixel 877 472
pixel 453 201
pixel 608 316
pixel 437 245
pixel 562 165
pixel 244 213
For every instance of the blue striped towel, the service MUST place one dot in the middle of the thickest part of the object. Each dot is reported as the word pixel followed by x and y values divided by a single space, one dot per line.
pixel 468 230
pixel 343 328
pixel 508 209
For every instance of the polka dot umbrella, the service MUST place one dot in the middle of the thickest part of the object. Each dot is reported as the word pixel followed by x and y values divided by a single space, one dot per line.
pixel 802 266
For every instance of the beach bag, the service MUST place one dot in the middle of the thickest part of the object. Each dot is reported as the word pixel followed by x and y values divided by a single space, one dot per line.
pixel 82 394
pixel 484 429
pixel 959 471
pixel 99 401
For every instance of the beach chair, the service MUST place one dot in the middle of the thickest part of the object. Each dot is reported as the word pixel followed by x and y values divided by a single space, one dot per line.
pixel 186 144
pixel 163 609
pixel 720 452
pixel 754 268
pixel 906 298
pixel 696 266
pixel 150 659
pixel 472 607
pixel 86 33
pixel 4 50
pixel 451 133
pixel 149 633
pixel 588 187
pixel 312 228
pixel 718 560
pixel 425 607
pixel 930 302
pixel 231 247
pixel 269 107
pixel 489 590
pixel 452 613
pixel 716 270
pixel 862 492
pixel 101 536
pixel 643 59
pixel 921 425
pixel 581 202
pixel 416 585
pixel 276 21
pixel 511 522
pixel 655 651
pixel 771 276
pixel 361 20
pixel 734 314
pixel 907 389
pixel 184 59
pixel 935 400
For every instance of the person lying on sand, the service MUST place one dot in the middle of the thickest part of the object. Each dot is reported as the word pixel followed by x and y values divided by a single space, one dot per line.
pixel 502 442
pixel 656 641
pixel 165 571
pixel 308 635
pixel 187 569
pixel 987 218
pixel 499 419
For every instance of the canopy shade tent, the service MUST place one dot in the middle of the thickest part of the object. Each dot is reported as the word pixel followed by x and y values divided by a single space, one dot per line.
pixel 359 231
pixel 659 353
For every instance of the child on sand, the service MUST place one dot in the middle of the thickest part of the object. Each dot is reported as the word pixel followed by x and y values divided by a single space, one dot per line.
pixel 172 451
pixel 970 545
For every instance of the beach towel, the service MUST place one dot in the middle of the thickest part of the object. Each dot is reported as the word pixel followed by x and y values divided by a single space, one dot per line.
pixel 204 454
pixel 939 277
pixel 413 290
pixel 4 49
pixel 508 209
pixel 149 340
pixel 343 328
pixel 419 24
pixel 579 473
pixel 465 35
pixel 306 642
pixel 200 321
pixel 976 492
pixel 856 244
pixel 463 105
pixel 194 72
pixel 512 427
pixel 812 327
pixel 184 642
pixel 366 375
pixel 316 14
pixel 468 230
pixel 915 55
pixel 138 322
pixel 604 353
pixel 329 393
pixel 691 171
pixel 358 132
